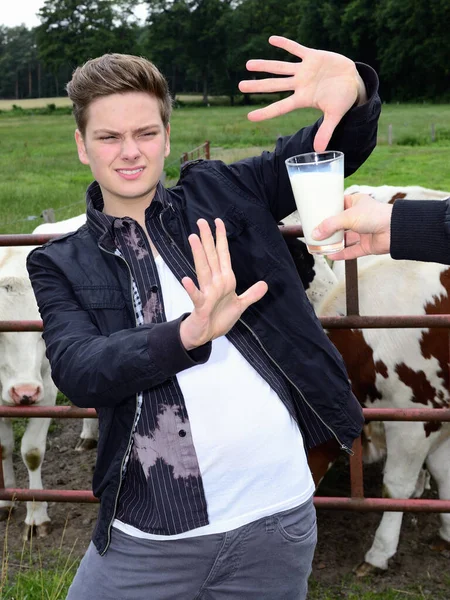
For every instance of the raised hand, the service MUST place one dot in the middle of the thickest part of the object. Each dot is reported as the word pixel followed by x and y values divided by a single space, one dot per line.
pixel 217 307
pixel 323 80
pixel 367 223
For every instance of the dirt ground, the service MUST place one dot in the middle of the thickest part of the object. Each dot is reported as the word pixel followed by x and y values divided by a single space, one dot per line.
pixel 343 537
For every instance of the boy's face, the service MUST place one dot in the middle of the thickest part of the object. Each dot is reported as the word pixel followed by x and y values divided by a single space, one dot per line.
pixel 125 144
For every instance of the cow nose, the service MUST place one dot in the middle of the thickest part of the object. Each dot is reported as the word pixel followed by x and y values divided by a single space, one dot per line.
pixel 25 394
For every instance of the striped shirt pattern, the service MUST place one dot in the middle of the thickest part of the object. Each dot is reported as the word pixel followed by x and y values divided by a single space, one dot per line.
pixel 162 491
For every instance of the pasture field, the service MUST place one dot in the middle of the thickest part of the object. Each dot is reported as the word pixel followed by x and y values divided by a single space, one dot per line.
pixel 40 170
pixel 40 167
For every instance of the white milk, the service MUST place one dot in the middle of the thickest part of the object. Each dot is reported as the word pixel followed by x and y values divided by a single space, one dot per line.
pixel 318 196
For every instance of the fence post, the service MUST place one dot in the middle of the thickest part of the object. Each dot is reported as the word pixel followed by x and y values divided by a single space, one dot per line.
pixel 48 215
pixel 207 150
pixel 351 286
pixel 2 480
pixel 390 134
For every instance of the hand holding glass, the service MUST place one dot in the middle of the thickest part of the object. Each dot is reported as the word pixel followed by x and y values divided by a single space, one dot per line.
pixel 317 180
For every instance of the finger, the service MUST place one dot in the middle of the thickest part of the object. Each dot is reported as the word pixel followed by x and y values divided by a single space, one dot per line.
pixel 208 245
pixel 350 199
pixel 253 294
pixel 329 226
pixel 352 238
pixel 192 290
pixel 325 131
pixel 348 253
pixel 273 110
pixel 223 252
pixel 289 45
pixel 202 268
pixel 276 67
pixel 272 84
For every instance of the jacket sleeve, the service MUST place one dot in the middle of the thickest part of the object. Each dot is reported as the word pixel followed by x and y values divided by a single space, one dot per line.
pixel 420 230
pixel 265 176
pixel 95 370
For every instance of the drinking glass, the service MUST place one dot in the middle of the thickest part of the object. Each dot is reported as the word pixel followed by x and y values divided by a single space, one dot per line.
pixel 317 180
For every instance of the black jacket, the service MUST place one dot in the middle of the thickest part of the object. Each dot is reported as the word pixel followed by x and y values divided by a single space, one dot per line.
pixel 100 359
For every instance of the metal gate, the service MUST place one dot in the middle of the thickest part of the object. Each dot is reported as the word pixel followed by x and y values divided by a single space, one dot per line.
pixel 357 501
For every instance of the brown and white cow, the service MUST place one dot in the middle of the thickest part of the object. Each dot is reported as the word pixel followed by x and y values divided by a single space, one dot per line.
pixel 397 368
pixel 24 380
pixel 89 433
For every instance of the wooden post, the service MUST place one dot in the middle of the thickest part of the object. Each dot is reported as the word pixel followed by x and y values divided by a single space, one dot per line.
pixel 48 215
pixel 390 134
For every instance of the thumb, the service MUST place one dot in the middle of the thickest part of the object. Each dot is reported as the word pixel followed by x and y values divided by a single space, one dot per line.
pixel 253 294
pixel 325 131
pixel 327 227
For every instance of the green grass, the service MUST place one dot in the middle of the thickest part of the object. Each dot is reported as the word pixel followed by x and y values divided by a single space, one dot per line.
pixel 23 576
pixel 40 167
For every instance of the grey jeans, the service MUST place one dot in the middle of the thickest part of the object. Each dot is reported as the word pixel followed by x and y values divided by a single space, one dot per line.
pixel 269 559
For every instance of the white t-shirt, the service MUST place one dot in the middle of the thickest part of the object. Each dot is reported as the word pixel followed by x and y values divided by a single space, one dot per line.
pixel 250 451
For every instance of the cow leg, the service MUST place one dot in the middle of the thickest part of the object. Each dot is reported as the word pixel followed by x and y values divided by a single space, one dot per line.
pixel 89 435
pixel 439 465
pixel 33 452
pixel 407 449
pixel 7 442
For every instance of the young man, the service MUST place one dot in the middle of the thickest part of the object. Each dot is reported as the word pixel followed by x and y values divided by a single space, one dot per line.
pixel 210 373
pixel 407 229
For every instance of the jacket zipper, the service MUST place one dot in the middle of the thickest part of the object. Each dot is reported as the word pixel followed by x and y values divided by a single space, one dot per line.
pixel 134 419
pixel 302 396
pixel 342 446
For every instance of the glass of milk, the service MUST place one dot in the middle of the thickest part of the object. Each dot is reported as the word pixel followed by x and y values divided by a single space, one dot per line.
pixel 317 180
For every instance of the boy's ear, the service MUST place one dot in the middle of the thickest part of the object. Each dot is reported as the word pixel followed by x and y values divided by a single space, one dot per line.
pixel 167 148
pixel 82 154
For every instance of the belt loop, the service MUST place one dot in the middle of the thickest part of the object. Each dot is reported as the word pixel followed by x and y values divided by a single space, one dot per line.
pixel 271 524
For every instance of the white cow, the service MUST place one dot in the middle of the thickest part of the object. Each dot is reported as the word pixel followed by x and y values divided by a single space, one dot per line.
pixel 395 368
pixel 24 381
pixel 89 433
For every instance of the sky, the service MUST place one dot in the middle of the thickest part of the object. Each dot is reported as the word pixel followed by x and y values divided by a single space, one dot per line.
pixel 18 12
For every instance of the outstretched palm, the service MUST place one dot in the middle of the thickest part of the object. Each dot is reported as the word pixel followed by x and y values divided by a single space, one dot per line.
pixel 322 80
pixel 217 307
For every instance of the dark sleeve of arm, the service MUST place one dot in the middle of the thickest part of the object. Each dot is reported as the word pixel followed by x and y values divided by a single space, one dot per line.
pixel 95 370
pixel 420 230
pixel 266 176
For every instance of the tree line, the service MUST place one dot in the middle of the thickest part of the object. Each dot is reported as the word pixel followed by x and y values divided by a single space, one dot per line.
pixel 202 45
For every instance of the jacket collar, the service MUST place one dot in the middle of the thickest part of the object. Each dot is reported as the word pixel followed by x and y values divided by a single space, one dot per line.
pixel 103 226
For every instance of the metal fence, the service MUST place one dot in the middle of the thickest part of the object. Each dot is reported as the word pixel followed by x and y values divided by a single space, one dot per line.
pixel 357 501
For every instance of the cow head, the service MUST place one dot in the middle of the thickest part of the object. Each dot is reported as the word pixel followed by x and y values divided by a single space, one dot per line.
pixel 22 354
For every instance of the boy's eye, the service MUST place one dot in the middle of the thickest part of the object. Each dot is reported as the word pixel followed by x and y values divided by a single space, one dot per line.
pixel 108 137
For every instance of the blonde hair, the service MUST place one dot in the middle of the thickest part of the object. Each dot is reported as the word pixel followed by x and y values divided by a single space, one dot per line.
pixel 116 74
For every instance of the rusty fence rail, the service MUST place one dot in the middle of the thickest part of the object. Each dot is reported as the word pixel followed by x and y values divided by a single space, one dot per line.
pixel 356 501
